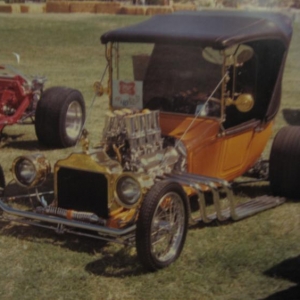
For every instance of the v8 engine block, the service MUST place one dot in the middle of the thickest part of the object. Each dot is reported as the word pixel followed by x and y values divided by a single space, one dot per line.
pixel 134 139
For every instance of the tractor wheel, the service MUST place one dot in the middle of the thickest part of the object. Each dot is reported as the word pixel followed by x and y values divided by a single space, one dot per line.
pixel 59 117
pixel 284 169
pixel 162 225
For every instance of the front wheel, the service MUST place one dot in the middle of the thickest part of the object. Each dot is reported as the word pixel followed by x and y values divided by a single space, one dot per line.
pixel 162 225
pixel 59 117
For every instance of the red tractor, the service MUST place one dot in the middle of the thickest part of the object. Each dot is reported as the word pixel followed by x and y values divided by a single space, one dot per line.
pixel 58 112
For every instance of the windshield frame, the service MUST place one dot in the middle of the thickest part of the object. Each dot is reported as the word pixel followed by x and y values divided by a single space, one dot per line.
pixel 113 55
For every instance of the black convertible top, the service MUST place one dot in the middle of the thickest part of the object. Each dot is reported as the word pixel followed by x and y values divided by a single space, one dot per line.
pixel 217 29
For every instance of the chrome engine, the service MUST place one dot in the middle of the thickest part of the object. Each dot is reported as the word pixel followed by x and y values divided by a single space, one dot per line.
pixel 134 139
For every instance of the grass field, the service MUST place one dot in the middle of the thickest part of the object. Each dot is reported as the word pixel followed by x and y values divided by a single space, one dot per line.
pixel 257 258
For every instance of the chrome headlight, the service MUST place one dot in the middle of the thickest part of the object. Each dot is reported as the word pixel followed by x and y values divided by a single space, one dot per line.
pixel 128 191
pixel 31 170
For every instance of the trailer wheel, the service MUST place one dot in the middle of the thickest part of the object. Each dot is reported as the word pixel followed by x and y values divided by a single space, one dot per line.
pixel 162 225
pixel 59 117
pixel 284 169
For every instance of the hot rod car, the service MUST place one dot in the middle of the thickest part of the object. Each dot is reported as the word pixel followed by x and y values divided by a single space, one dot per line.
pixel 58 113
pixel 193 97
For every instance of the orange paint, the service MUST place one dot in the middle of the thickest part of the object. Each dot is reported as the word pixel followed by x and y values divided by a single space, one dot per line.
pixel 212 151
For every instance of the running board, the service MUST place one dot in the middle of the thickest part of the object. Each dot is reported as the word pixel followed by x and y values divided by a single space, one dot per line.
pixel 235 211
pixel 251 207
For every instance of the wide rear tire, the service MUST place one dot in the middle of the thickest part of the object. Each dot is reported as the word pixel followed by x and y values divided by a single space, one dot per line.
pixel 162 225
pixel 284 169
pixel 59 117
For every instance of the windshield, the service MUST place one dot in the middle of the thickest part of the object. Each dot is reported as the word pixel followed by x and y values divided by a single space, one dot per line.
pixel 191 80
pixel 166 77
pixel 180 78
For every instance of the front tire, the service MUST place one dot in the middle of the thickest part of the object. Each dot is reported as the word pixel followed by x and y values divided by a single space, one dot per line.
pixel 284 169
pixel 59 117
pixel 162 225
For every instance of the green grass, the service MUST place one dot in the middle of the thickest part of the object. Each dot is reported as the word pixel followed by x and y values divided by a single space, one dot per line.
pixel 252 259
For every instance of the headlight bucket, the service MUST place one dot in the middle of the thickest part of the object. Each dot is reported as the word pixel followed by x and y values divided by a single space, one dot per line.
pixel 31 170
pixel 128 191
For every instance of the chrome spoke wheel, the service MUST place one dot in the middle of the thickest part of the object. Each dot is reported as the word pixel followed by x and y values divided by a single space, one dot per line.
pixel 167 227
pixel 162 225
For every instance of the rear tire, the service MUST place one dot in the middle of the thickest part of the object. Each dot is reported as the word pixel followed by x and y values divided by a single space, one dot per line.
pixel 59 117
pixel 284 169
pixel 162 225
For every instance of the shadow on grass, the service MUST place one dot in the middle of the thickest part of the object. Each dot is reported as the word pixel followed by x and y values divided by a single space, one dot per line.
pixel 26 145
pixel 113 263
pixel 291 116
pixel 117 264
pixel 12 141
pixel 256 190
pixel 48 236
pixel 288 270
pixel 252 190
pixel 4 137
